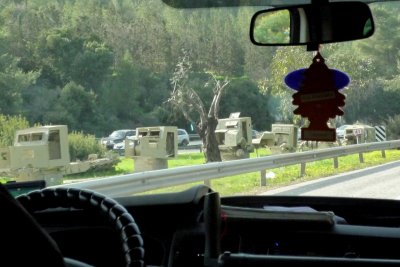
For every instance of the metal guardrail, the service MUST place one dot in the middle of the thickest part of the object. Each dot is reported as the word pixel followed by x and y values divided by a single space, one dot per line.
pixel 128 184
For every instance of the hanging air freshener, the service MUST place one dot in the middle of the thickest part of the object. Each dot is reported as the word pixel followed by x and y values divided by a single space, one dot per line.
pixel 318 98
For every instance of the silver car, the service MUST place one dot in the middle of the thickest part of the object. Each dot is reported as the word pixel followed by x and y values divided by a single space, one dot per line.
pixel 183 137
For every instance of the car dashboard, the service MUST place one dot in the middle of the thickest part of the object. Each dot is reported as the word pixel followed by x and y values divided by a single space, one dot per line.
pixel 190 228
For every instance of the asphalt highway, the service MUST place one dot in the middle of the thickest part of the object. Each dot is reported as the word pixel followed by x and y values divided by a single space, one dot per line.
pixel 374 182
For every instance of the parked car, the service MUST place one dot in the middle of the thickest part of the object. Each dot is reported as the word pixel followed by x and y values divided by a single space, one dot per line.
pixel 183 137
pixel 255 134
pixel 340 131
pixel 351 220
pixel 117 136
pixel 120 147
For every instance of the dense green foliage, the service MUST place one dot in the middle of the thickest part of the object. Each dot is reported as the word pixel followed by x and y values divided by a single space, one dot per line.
pixel 8 127
pixel 393 128
pixel 102 65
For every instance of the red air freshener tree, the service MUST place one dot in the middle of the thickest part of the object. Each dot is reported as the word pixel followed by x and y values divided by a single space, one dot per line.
pixel 318 98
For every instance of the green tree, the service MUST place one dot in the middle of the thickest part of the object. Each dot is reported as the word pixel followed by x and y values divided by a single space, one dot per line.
pixel 92 64
pixel 76 108
pixel 393 127
pixel 73 58
pixel 361 70
pixel 39 101
pixel 135 92
pixel 12 82
pixel 244 96
pixel 384 54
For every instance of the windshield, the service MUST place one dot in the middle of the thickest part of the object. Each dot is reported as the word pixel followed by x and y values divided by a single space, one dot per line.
pixel 99 66
pixel 117 134
pixel 343 127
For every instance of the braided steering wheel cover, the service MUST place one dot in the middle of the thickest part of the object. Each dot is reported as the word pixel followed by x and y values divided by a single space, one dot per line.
pixel 119 217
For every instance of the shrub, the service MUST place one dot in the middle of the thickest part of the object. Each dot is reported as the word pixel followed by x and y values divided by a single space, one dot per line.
pixel 82 145
pixel 8 126
pixel 393 128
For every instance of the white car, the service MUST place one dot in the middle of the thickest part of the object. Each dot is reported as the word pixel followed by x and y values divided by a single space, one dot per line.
pixel 183 137
pixel 120 147
pixel 341 130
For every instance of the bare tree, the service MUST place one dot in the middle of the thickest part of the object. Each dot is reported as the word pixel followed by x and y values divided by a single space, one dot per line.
pixel 191 105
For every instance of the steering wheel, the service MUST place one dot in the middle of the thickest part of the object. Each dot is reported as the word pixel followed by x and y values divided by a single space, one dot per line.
pixel 118 216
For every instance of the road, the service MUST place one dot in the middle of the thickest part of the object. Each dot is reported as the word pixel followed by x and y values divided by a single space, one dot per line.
pixel 375 182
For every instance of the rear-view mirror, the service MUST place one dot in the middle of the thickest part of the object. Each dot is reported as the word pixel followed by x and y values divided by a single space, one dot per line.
pixel 312 24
